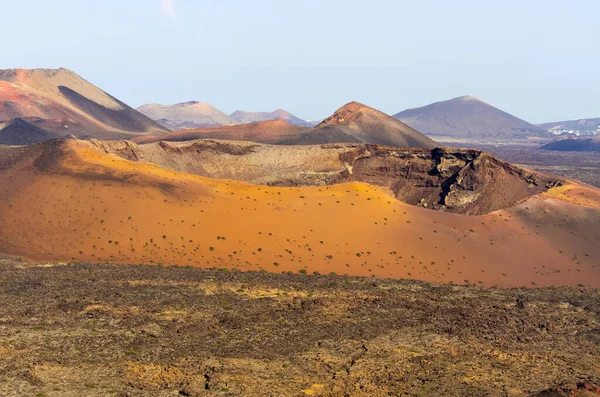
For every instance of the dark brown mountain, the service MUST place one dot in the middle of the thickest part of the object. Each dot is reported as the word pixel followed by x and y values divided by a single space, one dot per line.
pixel 575 145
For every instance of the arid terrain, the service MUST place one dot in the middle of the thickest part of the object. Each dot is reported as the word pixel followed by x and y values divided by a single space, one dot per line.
pixel 84 329
pixel 297 198
pixel 67 200
pixel 455 180
pixel 582 166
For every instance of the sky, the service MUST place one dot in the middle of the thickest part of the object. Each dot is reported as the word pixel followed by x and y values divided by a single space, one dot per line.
pixel 536 59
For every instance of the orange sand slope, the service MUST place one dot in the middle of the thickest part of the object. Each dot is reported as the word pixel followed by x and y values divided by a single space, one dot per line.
pixel 64 200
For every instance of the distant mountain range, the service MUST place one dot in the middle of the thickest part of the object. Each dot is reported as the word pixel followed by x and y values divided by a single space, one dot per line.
pixel 468 119
pixel 581 127
pixel 352 123
pixel 42 103
pixel 279 114
pixel 201 115
pixel 186 115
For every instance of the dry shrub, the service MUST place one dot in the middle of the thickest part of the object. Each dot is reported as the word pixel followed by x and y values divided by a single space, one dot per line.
pixel 153 376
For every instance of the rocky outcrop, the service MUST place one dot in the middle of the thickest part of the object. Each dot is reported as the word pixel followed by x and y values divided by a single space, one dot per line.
pixel 466 181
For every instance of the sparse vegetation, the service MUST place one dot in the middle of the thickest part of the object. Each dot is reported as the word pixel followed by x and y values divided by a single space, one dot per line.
pixel 255 316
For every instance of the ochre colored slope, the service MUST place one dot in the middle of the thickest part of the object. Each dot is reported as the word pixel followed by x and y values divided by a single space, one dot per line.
pixel 64 200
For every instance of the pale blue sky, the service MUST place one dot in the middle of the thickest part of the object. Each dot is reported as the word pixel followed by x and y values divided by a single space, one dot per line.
pixel 538 59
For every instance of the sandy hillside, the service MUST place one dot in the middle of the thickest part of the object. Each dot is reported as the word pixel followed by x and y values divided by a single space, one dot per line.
pixel 65 200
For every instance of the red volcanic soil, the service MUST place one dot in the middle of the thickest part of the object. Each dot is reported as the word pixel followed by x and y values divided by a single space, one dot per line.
pixel 65 200
pixel 270 131
pixel 17 101
pixel 355 122
pixel 351 112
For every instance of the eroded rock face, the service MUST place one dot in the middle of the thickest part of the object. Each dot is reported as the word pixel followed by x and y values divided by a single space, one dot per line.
pixel 465 181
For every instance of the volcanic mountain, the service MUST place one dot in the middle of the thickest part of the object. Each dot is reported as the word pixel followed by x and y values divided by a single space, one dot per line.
pixel 66 200
pixel 468 119
pixel 355 122
pixel 186 115
pixel 352 123
pixel 279 114
pixel 575 145
pixel 61 103
pixel 574 127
